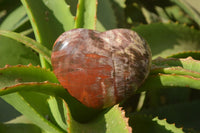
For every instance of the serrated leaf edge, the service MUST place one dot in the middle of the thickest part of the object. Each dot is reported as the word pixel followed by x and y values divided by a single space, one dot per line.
pixel 159 78
pixel 174 70
pixel 161 60
pixel 159 121
pixel 26 40
pixel 7 66
pixel 185 52
pixel 126 119
pixel 43 118
pixel 156 119
pixel 6 90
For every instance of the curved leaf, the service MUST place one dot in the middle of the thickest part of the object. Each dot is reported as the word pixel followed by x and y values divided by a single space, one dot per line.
pixel 24 76
pixel 187 63
pixel 154 125
pixel 7 6
pixel 185 74
pixel 33 105
pixel 183 114
pixel 168 126
pixel 193 54
pixel 48 21
pixel 26 91
pixel 118 7
pixel 190 7
pixel 169 80
pixel 173 13
pixel 11 75
pixel 13 52
pixel 59 111
pixel 28 42
pixel 106 18
pixel 175 70
pixel 168 39
pixel 15 19
pixel 121 122
pixel 19 128
pixel 181 86
pixel 86 14
pixel 112 121
pixel 7 112
pixel 42 87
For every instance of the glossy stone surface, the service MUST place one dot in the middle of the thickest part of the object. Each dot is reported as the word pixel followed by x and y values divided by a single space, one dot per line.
pixel 100 69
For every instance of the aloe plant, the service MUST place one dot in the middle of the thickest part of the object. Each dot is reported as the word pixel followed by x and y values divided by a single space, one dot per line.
pixel 32 99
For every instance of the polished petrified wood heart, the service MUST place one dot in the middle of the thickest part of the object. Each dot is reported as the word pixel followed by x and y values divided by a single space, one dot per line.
pixel 100 69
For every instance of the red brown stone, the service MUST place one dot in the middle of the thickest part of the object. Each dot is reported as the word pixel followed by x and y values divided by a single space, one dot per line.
pixel 100 69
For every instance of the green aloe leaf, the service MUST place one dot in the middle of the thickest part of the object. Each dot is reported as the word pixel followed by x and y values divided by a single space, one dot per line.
pixel 103 120
pixel 118 7
pixel 170 81
pixel 186 63
pixel 193 54
pixel 191 7
pixel 48 21
pixel 112 121
pixel 7 112
pixel 178 15
pixel 12 75
pixel 59 111
pixel 13 52
pixel 34 106
pixel 149 16
pixel 28 74
pixel 86 14
pixel 42 87
pixel 173 13
pixel 51 18
pixel 137 17
pixel 187 67
pixel 19 128
pixel 174 70
pixel 184 114
pixel 170 127
pixel 15 19
pixel 8 6
pixel 106 18
pixel 28 42
pixel 154 125
pixel 19 124
pixel 168 39
pixel 23 80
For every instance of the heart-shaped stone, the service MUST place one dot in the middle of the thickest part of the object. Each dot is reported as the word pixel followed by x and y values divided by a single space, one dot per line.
pixel 101 69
